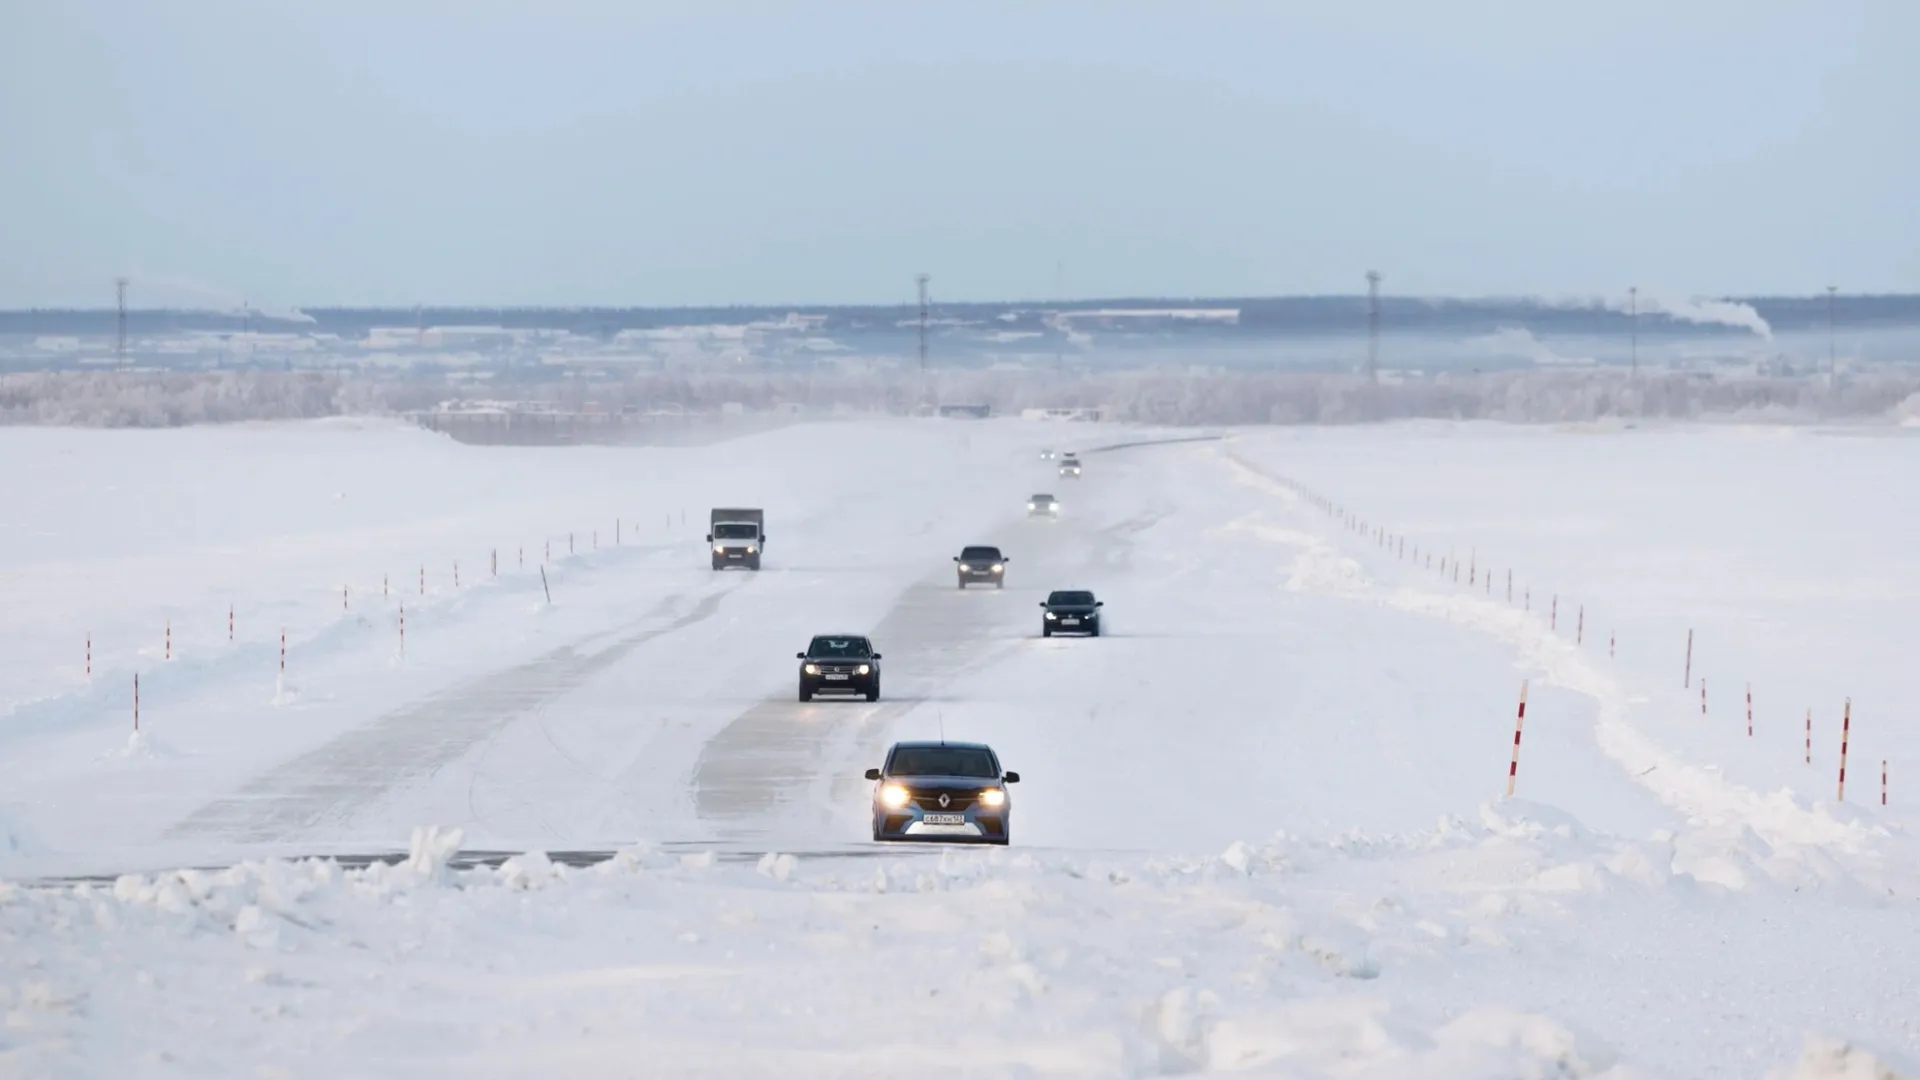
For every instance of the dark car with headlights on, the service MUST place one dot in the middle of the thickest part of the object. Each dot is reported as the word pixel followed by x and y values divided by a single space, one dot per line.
pixel 839 664
pixel 952 791
pixel 981 563
pixel 1071 611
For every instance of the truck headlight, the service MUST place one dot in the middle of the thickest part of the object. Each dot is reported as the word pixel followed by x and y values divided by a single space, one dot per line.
pixel 993 796
pixel 751 549
pixel 812 669
pixel 718 550
pixel 893 796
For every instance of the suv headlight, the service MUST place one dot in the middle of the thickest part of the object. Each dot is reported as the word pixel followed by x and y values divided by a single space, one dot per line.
pixel 863 669
pixel 993 796
pixel 997 567
pixel 893 796
pixel 1051 615
pixel 965 569
pixel 812 669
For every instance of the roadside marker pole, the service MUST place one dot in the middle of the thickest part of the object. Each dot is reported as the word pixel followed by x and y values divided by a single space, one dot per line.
pixel 136 701
pixel 493 563
pixel 423 580
pixel 616 532
pixel 343 598
pixel 1529 598
pixel 1609 644
pixel 569 543
pixel 1703 695
pixel 523 556
pixel 403 630
pixel 1809 734
pixel 383 586
pixel 456 573
pixel 1689 678
pixel 1509 586
pixel 1749 710
pixel 1580 626
pixel 1846 723
pixel 169 639
pixel 229 622
pixel 548 556
pixel 1519 720
pixel 283 653
pixel 1883 781
pixel 89 655
pixel 1553 613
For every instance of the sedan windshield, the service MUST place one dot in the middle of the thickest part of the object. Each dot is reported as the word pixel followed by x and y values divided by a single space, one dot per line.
pixel 980 554
pixel 831 647
pixel 1070 599
pixel 943 761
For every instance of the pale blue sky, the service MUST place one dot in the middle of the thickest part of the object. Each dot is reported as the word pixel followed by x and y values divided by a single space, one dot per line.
pixel 566 151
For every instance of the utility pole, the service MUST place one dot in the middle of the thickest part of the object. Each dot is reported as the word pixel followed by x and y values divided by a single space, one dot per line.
pixel 1833 370
pixel 921 280
pixel 120 303
pixel 1373 326
pixel 1633 313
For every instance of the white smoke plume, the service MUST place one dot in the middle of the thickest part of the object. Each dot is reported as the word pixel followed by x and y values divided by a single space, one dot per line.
pixel 171 291
pixel 1694 310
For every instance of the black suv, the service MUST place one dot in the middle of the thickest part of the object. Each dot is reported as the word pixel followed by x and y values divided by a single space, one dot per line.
pixel 839 664
pixel 1071 611
pixel 981 562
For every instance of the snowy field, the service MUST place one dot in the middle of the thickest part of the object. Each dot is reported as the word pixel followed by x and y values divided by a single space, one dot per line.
pixel 1261 829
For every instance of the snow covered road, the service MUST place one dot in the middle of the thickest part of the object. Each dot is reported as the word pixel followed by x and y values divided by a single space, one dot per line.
pixel 1259 831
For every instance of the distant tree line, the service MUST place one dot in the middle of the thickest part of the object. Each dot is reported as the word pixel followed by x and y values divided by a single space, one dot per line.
pixel 154 399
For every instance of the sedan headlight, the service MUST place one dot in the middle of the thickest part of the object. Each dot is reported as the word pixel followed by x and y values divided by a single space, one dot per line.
pixel 1051 615
pixel 965 569
pixel 993 796
pixel 998 567
pixel 863 669
pixel 812 669
pixel 893 796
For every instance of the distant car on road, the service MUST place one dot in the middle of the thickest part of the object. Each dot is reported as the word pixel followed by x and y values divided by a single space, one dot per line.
pixel 1047 455
pixel 839 664
pixel 1042 505
pixel 1070 466
pixel 1071 611
pixel 981 562
pixel 953 791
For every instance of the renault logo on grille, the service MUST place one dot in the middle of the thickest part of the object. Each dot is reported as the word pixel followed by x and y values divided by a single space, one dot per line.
pixel 944 801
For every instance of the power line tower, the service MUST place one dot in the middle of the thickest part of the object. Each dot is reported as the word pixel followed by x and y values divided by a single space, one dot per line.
pixel 921 281
pixel 1373 325
pixel 120 321
pixel 1633 314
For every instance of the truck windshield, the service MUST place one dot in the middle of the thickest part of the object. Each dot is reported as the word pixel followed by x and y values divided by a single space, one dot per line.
pixel 830 648
pixel 735 530
pixel 943 761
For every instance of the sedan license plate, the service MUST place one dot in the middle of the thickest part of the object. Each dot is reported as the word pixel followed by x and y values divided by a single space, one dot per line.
pixel 836 676
pixel 944 819
pixel 1071 621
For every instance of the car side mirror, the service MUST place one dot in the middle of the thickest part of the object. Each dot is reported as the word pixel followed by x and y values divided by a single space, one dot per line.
pixel 873 774
pixel 1043 603
pixel 799 656
pixel 1012 778
pixel 876 656
pixel 709 538
pixel 1099 603
pixel 956 558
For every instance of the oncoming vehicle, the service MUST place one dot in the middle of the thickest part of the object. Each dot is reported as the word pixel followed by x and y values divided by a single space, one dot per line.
pixel 1071 611
pixel 942 791
pixel 839 664
pixel 981 562
pixel 1047 455
pixel 738 535
pixel 1070 466
pixel 1042 505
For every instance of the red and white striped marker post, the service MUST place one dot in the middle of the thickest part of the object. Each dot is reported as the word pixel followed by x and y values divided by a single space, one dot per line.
pixel 343 598
pixel 229 622
pixel 1519 721
pixel 1749 710
pixel 136 701
pixel 169 639
pixel 1703 695
pixel 1883 781
pixel 1809 734
pixel 283 653
pixel 1846 723
pixel 1580 626
pixel 1688 681
pixel 403 630
pixel 89 655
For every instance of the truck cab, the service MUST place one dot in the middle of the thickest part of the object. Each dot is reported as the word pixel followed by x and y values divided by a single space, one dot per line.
pixel 737 536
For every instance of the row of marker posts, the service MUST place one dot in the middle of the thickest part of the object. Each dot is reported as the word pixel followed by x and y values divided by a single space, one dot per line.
pixel 1450 567
pixel 619 528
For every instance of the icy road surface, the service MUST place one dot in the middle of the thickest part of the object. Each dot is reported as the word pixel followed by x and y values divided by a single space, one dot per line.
pixel 1260 829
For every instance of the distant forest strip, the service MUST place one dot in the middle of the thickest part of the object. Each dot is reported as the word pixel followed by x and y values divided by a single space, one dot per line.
pixel 160 399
